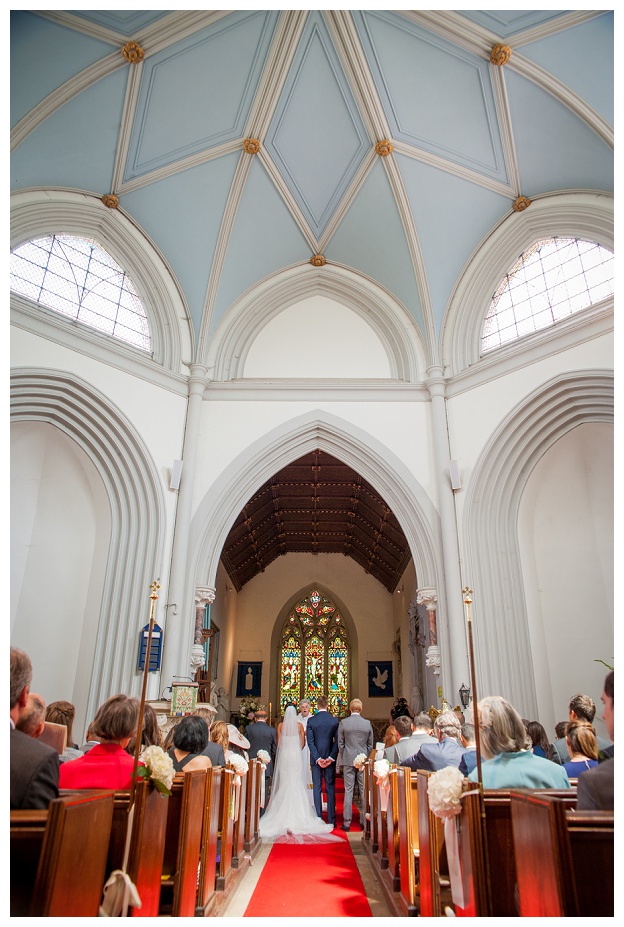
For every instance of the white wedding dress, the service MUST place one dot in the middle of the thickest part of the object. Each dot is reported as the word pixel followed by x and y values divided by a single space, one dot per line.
pixel 289 818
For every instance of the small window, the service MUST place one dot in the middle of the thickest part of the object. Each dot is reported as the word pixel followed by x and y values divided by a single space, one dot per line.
pixel 555 278
pixel 76 277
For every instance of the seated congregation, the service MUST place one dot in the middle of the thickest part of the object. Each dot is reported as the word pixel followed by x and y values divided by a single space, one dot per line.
pixel 456 819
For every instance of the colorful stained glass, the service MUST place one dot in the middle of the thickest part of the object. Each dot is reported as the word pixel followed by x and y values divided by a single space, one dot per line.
pixel 314 659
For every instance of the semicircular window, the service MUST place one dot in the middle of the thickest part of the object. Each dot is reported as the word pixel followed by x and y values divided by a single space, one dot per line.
pixel 76 277
pixel 552 280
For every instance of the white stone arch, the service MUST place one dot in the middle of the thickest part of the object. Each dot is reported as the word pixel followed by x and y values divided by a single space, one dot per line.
pixel 390 321
pixel 137 505
pixel 35 213
pixel 578 215
pixel 491 547
pixel 223 502
pixel 349 623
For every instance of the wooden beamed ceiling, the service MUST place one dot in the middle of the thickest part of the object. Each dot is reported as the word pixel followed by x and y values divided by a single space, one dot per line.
pixel 316 505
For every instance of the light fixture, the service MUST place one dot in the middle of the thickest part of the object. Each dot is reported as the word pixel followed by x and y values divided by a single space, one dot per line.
pixel 464 695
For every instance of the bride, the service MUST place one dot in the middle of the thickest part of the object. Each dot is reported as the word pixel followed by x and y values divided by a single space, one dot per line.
pixel 289 818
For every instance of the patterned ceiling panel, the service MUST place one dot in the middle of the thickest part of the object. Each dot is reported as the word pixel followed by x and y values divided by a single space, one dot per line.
pixel 197 93
pixel 126 22
pixel 461 126
pixel 505 23
pixel 316 505
pixel 317 136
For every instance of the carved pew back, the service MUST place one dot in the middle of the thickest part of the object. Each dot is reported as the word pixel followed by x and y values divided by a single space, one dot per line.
pixel 73 836
pixel 240 813
pixel 209 842
pixel 409 850
pixel 392 831
pixel 226 828
pixel 433 882
pixel 553 844
pixel 367 806
pixel 252 815
pixel 182 844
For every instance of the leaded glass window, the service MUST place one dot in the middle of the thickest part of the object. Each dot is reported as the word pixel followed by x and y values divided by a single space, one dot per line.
pixel 77 278
pixel 552 280
pixel 314 655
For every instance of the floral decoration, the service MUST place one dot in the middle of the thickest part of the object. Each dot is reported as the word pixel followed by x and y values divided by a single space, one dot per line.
pixel 264 757
pixel 359 761
pixel 381 769
pixel 158 768
pixel 239 764
pixel 445 791
pixel 249 705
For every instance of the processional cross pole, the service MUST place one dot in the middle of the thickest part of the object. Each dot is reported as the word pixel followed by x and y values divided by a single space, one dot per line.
pixel 155 586
pixel 467 594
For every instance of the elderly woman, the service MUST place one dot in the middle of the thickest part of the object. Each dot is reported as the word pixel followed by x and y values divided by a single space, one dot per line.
pixel 106 765
pixel 190 737
pixel 506 748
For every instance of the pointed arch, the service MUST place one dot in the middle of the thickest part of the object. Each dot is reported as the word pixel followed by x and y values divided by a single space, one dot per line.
pixel 136 499
pixel 492 550
pixel 391 323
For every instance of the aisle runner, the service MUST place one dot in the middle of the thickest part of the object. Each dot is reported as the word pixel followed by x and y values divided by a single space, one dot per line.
pixel 311 880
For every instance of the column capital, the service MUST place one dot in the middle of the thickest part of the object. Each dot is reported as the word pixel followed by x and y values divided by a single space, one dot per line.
pixel 427 597
pixel 197 381
pixel 204 595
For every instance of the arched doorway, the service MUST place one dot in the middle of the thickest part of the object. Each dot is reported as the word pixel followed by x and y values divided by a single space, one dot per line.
pixel 314 655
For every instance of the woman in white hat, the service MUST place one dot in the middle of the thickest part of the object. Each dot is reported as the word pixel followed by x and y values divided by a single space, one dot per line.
pixel 230 739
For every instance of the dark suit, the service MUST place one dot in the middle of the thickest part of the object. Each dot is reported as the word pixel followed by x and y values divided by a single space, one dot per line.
pixel 468 761
pixel 34 772
pixel 215 753
pixel 594 791
pixel 262 736
pixel 436 755
pixel 321 734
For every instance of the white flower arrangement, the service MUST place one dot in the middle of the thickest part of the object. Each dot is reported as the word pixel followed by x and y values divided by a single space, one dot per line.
pixel 381 769
pixel 264 757
pixel 359 761
pixel 239 764
pixel 445 790
pixel 158 767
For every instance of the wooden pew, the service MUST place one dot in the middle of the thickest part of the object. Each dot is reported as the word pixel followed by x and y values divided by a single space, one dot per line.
pixel 238 829
pixel 434 882
pixel 147 843
pixel 367 806
pixel 392 831
pixel 564 858
pixel 69 842
pixel 209 842
pixel 182 844
pixel 382 827
pixel 409 849
pixel 226 828
pixel 252 817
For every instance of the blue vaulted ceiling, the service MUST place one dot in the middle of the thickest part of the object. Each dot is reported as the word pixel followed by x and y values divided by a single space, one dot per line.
pixel 318 89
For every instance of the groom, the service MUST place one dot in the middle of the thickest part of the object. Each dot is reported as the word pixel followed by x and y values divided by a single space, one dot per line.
pixel 321 731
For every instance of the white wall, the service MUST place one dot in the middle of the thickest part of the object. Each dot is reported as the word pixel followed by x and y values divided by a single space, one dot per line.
pixel 566 541
pixel 60 532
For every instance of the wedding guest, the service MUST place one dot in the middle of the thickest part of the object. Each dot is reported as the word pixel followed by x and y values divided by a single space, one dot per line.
pixel 64 713
pixel 190 737
pixel 446 750
pixel 582 747
pixel 539 738
pixel 581 708
pixel 595 788
pixel 509 761
pixel 212 750
pixel 151 736
pixel 391 737
pixel 91 740
pixel 400 708
pixel 33 766
pixel 107 765
pixel 468 742
pixel 32 719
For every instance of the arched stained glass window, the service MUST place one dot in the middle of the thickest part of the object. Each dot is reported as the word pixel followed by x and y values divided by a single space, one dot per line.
pixel 76 277
pixel 553 279
pixel 314 638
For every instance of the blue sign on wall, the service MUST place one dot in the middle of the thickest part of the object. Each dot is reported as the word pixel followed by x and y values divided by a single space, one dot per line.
pixel 155 648
pixel 380 682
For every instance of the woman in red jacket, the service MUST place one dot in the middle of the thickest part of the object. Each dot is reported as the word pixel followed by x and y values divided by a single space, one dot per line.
pixel 107 765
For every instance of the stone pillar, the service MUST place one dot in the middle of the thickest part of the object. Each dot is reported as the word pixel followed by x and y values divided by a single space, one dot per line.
pixel 177 625
pixel 429 598
pixel 204 595
pixel 457 645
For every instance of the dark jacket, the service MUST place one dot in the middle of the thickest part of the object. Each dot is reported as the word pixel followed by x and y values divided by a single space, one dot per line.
pixel 321 734
pixel 262 736
pixel 437 755
pixel 34 772
pixel 215 753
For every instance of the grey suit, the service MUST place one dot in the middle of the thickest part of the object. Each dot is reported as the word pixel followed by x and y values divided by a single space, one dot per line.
pixel 355 736
pixel 407 747
pixel 595 788
pixel 34 772
pixel 215 753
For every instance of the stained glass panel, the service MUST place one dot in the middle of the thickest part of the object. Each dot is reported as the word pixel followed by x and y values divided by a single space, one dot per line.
pixel 338 676
pixel 290 676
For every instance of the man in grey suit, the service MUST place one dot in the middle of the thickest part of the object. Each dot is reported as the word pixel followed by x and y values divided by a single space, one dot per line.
pixel 413 734
pixel 34 767
pixel 355 736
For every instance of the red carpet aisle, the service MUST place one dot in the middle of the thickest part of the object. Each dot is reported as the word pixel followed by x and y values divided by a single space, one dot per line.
pixel 312 880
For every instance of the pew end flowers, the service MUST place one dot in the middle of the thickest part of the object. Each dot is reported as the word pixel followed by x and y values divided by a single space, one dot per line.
pixel 158 768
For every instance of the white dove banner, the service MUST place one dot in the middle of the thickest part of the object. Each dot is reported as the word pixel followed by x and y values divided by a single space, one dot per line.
pixel 380 679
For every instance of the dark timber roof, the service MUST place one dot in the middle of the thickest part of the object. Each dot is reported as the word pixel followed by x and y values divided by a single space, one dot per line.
pixel 316 504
